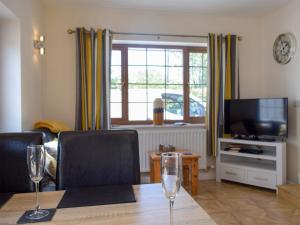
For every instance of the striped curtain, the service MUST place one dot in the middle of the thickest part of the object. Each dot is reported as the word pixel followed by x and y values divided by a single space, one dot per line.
pixel 92 79
pixel 232 88
pixel 215 95
pixel 223 83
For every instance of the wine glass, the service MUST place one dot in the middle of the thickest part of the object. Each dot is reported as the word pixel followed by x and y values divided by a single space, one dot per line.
pixel 171 174
pixel 36 157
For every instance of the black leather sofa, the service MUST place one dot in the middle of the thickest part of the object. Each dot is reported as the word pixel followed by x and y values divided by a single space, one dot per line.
pixel 86 158
pixel 13 161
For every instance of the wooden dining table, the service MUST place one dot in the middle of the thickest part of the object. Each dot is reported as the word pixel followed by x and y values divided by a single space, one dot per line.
pixel 151 208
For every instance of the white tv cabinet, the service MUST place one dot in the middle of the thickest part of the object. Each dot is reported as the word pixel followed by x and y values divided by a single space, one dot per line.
pixel 265 170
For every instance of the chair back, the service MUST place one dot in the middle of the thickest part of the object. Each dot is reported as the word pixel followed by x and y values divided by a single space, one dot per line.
pixel 14 175
pixel 96 158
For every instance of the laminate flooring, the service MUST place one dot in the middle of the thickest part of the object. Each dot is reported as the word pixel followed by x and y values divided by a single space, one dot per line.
pixel 237 204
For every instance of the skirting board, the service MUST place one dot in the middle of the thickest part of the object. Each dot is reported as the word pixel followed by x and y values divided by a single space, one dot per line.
pixel 295 180
pixel 207 174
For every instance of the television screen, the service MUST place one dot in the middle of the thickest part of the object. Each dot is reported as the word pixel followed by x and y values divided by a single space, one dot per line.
pixel 258 117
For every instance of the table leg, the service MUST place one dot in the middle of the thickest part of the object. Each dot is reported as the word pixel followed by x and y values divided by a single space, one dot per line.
pixel 195 171
pixel 156 172
pixel 186 173
pixel 151 171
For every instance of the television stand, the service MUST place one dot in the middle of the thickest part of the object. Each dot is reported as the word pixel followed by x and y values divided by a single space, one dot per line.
pixel 267 169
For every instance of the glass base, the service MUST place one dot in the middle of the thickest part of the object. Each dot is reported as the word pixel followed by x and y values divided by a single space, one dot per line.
pixel 37 215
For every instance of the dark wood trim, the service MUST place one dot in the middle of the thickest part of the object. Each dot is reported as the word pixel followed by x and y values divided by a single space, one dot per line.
pixel 190 48
pixel 124 54
pixel 125 85
pixel 186 92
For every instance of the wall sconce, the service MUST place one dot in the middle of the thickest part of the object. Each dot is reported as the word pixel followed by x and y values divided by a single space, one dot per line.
pixel 40 44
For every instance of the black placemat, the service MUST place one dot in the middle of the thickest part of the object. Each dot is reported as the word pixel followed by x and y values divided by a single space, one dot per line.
pixel 79 197
pixel 24 220
pixel 4 197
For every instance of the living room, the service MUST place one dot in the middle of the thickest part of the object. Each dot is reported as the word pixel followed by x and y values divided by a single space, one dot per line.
pixel 45 86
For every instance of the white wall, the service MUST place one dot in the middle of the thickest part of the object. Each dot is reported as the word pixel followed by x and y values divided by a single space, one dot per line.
pixel 29 13
pixel 10 76
pixel 59 86
pixel 284 80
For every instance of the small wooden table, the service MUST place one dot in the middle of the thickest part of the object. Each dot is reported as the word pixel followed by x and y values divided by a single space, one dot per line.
pixel 151 208
pixel 188 160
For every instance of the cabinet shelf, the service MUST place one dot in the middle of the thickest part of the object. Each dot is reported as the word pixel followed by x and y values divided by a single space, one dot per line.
pixel 265 155
pixel 252 165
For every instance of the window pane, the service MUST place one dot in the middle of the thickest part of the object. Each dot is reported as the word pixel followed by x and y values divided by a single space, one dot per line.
pixel 150 110
pixel 156 57
pixel 136 56
pixel 137 74
pixel 198 84
pixel 204 75
pixel 198 99
pixel 116 110
pixel 137 93
pixel 174 75
pixel 195 59
pixel 155 91
pixel 174 57
pixel 199 91
pixel 196 75
pixel 137 111
pixel 174 111
pixel 156 75
pixel 116 58
pixel 116 93
pixel 174 93
pixel 204 59
pixel 197 108
pixel 116 74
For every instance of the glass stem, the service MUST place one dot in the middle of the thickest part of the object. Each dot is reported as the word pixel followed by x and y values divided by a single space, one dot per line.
pixel 171 211
pixel 37 206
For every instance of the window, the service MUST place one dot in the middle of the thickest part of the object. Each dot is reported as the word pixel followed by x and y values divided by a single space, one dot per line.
pixel 140 73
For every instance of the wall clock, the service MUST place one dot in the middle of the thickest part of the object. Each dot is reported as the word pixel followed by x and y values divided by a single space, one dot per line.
pixel 284 48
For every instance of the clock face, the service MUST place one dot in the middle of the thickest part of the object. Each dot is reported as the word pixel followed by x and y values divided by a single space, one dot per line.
pixel 284 48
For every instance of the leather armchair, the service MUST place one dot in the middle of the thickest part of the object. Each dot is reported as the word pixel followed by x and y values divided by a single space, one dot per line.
pixel 95 158
pixel 13 161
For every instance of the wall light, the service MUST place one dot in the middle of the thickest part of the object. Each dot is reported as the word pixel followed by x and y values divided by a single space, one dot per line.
pixel 40 44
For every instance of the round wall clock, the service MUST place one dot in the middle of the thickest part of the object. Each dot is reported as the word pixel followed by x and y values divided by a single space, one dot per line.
pixel 284 48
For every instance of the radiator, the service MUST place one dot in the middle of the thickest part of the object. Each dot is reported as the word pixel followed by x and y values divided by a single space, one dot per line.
pixel 192 138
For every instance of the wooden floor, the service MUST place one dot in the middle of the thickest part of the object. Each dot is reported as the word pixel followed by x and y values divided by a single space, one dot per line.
pixel 230 203
pixel 290 193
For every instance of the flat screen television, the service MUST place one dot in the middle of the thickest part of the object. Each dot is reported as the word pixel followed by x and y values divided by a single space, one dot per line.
pixel 266 117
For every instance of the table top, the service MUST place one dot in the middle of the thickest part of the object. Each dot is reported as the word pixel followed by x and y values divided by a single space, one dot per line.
pixel 151 208
pixel 156 156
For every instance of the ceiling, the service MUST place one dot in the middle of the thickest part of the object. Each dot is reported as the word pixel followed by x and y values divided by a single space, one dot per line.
pixel 199 6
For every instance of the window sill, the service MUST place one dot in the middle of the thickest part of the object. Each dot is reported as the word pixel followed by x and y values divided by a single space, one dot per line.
pixel 164 126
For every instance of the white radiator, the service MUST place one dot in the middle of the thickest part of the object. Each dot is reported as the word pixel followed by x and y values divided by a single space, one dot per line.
pixel 192 138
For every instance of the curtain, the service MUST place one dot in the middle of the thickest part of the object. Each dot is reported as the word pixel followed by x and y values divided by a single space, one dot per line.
pixel 92 79
pixel 232 87
pixel 223 83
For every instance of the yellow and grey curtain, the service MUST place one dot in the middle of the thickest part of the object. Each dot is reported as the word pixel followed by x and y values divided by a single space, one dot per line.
pixel 92 79
pixel 232 88
pixel 223 83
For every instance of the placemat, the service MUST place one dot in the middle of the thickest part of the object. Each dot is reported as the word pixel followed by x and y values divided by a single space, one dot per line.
pixel 24 220
pixel 91 196
pixel 4 197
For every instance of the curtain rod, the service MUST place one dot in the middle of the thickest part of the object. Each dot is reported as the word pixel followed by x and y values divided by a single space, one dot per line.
pixel 70 31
